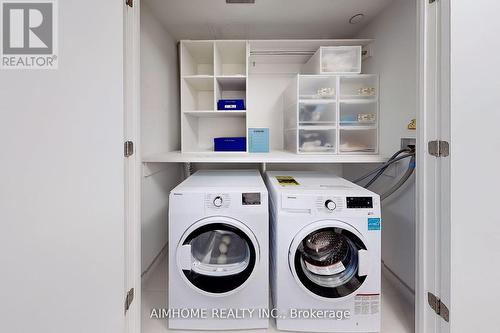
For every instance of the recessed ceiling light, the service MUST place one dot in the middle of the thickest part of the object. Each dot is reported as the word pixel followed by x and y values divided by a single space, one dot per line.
pixel 240 1
pixel 356 18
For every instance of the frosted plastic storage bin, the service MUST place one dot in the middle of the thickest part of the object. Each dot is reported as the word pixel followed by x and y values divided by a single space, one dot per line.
pixel 355 141
pixel 358 113
pixel 317 113
pixel 314 140
pixel 317 87
pixel 334 60
pixel 359 87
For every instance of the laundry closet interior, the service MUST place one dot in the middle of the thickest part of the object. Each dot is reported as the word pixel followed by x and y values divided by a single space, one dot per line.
pixel 194 53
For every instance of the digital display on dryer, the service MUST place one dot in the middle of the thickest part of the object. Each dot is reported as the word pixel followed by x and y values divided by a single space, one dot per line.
pixel 359 202
pixel 248 199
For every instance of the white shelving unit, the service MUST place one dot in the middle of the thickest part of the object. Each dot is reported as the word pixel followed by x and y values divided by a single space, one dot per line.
pixel 210 71
pixel 332 114
pixel 226 69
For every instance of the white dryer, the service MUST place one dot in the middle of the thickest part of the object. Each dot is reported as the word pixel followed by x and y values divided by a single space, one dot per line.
pixel 325 253
pixel 218 251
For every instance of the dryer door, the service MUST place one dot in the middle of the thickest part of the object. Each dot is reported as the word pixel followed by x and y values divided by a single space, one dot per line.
pixel 329 259
pixel 217 255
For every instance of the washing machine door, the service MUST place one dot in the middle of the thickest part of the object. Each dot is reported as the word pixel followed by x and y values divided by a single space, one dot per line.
pixel 218 255
pixel 329 259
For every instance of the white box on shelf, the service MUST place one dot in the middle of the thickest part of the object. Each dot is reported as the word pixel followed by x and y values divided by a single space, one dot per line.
pixel 334 60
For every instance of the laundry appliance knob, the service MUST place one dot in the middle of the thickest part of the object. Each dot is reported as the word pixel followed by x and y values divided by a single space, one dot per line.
pixel 330 205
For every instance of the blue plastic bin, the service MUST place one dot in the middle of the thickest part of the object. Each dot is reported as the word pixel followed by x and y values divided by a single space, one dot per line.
pixel 230 144
pixel 231 104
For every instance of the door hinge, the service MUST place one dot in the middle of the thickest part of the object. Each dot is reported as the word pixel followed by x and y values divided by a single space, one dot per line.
pixel 130 3
pixel 439 148
pixel 129 299
pixel 439 307
pixel 128 149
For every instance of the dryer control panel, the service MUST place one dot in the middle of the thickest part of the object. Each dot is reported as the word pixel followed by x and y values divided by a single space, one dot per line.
pixel 218 201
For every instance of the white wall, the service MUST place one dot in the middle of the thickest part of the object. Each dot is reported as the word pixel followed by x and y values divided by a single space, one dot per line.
pixel 61 181
pixel 395 60
pixel 160 129
pixel 475 138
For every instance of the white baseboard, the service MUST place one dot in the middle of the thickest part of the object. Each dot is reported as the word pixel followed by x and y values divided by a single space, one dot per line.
pixel 406 291
pixel 156 261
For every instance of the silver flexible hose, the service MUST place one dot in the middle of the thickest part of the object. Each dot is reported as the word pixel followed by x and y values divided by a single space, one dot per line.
pixel 383 166
pixel 405 150
pixel 397 186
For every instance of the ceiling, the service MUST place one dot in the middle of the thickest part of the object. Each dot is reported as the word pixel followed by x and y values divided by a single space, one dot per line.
pixel 266 19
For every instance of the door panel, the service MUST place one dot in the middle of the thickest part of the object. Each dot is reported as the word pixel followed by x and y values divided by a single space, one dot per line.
pixel 217 256
pixel 62 181
pixel 329 261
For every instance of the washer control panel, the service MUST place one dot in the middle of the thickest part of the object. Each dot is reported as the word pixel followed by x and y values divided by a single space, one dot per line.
pixel 329 204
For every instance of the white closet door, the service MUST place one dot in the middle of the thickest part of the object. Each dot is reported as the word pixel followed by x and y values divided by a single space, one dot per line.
pixel 475 158
pixel 62 181
pixel 434 230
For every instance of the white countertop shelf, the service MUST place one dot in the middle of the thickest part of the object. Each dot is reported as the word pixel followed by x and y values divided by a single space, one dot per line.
pixel 216 113
pixel 272 157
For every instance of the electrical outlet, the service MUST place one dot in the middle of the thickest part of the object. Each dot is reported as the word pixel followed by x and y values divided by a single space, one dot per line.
pixel 405 142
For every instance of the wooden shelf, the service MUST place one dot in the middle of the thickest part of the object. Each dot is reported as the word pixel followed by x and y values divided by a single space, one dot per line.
pixel 272 157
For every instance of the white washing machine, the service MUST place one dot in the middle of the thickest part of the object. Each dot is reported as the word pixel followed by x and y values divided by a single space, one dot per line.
pixel 218 251
pixel 325 253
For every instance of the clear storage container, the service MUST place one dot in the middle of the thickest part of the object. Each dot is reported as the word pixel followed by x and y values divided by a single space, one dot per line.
pixel 316 140
pixel 317 87
pixel 341 59
pixel 355 140
pixel 359 87
pixel 358 113
pixel 334 60
pixel 317 113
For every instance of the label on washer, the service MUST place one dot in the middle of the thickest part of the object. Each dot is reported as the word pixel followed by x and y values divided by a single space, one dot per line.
pixel 326 270
pixel 287 181
pixel 374 223
pixel 366 304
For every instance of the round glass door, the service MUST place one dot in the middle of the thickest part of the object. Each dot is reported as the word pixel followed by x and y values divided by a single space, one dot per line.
pixel 326 261
pixel 218 257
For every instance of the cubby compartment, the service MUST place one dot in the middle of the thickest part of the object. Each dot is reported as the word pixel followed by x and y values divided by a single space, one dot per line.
pixel 231 88
pixel 197 94
pixel 359 87
pixel 358 140
pixel 197 58
pixel 199 132
pixel 317 112
pixel 317 87
pixel 231 58
pixel 316 139
pixel 358 113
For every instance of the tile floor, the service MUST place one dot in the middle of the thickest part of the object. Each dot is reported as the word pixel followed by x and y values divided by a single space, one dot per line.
pixel 397 314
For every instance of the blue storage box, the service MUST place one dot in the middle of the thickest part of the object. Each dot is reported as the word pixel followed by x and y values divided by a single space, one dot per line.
pixel 230 144
pixel 231 104
pixel 258 140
